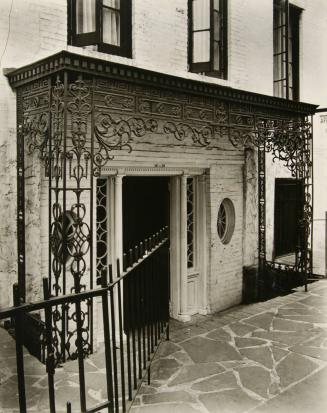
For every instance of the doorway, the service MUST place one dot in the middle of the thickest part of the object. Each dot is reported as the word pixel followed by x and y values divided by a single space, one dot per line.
pixel 146 212
pixel 146 208
pixel 137 206
pixel 288 212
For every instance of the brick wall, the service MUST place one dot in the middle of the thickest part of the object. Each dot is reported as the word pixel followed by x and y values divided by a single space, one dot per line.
pixel 250 208
pixel 226 260
pixel 8 191
pixel 314 89
pixel 320 202
pixel 29 30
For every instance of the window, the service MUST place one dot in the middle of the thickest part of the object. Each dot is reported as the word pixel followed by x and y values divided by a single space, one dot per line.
pixel 286 50
pixel 226 221
pixel 190 222
pixel 105 24
pixel 208 37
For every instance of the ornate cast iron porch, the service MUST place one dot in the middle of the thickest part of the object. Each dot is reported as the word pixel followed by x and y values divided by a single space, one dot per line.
pixel 77 113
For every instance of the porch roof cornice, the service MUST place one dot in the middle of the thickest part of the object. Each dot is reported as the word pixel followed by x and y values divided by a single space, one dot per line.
pixel 65 60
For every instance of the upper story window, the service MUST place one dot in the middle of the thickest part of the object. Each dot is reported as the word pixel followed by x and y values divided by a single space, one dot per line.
pixel 208 37
pixel 104 23
pixel 286 50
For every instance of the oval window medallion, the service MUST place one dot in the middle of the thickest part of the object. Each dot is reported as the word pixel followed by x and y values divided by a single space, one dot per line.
pixel 226 220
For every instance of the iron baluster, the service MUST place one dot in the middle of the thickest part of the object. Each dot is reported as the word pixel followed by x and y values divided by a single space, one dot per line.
pixel 80 355
pixel 138 312
pixel 19 351
pixel 121 341
pixel 151 285
pixel 107 342
pixel 132 318
pixel 113 335
pixel 148 298
pixel 50 361
pixel 143 318
pixel 127 314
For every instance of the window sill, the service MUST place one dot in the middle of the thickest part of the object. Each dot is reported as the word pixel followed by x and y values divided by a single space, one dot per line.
pixel 94 52
pixel 217 75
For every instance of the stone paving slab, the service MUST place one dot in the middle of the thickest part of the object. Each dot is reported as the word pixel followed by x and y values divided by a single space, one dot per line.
pixel 309 395
pixel 251 358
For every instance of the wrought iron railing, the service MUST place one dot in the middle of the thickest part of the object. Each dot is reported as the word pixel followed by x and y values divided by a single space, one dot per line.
pixel 281 278
pixel 135 312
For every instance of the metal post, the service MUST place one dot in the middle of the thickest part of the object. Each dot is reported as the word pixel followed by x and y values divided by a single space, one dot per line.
pixel 121 341
pixel 107 343
pixel 64 310
pixel 19 352
pixel 262 209
pixel 113 337
pixel 50 362
pixel 20 199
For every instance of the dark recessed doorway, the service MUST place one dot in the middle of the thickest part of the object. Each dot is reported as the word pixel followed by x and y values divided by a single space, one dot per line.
pixel 145 208
pixel 146 212
pixel 288 212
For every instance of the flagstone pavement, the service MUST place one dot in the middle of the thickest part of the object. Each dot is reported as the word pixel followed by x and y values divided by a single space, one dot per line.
pixel 263 358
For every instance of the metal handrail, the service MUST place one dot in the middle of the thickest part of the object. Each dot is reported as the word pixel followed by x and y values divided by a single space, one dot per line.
pixel 142 315
pixel 57 300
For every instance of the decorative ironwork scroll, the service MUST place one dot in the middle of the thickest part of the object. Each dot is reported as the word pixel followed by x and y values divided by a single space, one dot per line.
pixel 32 135
pixel 112 134
pixel 289 141
pixel 181 131
pixel 56 217
pixel 102 228
pixel 71 185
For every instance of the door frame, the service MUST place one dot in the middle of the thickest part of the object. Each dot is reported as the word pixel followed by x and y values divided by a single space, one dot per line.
pixel 183 283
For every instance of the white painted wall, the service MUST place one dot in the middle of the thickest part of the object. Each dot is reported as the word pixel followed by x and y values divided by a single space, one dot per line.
pixel 320 193
pixel 226 260
pixel 313 89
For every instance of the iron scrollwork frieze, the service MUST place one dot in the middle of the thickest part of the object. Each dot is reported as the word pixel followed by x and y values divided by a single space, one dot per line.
pixel 36 128
pixel 117 134
pixel 201 136
pixel 286 140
